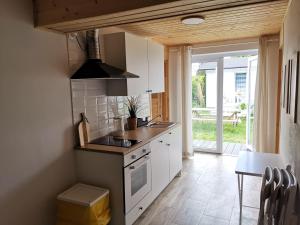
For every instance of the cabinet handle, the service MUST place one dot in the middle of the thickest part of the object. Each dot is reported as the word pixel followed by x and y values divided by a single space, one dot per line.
pixel 148 91
pixel 168 144
pixel 141 208
pixel 161 141
pixel 133 156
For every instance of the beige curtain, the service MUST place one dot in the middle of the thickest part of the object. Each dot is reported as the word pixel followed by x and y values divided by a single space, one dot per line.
pixel 181 93
pixel 264 132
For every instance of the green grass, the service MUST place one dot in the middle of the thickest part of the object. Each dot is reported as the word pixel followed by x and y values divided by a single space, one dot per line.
pixel 206 130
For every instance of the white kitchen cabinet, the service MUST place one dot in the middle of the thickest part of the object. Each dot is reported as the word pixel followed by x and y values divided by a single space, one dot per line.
pixel 166 159
pixel 137 63
pixel 160 165
pixel 136 55
pixel 156 78
pixel 130 53
pixel 175 151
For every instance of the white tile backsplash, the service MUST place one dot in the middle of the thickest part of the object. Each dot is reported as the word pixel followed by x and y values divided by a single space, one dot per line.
pixel 89 96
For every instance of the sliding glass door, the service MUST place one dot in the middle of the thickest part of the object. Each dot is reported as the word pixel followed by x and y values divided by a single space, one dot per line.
pixel 223 102
pixel 206 105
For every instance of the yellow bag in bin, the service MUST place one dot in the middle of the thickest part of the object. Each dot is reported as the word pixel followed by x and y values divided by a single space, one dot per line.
pixel 70 213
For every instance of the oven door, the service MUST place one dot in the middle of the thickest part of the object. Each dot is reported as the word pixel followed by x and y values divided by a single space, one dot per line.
pixel 137 178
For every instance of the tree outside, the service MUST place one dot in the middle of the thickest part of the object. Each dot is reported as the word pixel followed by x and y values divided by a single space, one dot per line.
pixel 199 89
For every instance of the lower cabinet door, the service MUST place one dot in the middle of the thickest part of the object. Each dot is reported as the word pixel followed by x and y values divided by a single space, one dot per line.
pixel 175 151
pixel 160 165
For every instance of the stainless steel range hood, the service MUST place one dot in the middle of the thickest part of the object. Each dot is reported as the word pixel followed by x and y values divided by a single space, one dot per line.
pixel 94 68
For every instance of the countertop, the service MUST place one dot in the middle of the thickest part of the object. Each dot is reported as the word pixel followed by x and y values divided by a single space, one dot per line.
pixel 145 134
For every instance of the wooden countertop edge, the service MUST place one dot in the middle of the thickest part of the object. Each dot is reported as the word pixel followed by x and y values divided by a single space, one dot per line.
pixel 123 151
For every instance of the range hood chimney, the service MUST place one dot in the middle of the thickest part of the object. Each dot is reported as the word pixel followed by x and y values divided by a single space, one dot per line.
pixel 94 68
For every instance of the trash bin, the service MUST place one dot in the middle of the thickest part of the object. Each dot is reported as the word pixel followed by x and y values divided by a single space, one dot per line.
pixel 83 205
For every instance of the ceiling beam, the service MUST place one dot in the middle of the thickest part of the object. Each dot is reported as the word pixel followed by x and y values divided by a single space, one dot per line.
pixel 75 15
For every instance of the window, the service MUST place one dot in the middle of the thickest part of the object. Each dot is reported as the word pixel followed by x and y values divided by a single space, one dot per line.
pixel 240 82
pixel 240 87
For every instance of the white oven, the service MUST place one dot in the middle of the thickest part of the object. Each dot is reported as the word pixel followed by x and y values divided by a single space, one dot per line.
pixel 137 177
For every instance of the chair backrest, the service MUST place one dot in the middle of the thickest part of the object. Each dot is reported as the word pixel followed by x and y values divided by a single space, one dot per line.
pixel 277 197
pixel 265 193
pixel 287 204
pixel 272 212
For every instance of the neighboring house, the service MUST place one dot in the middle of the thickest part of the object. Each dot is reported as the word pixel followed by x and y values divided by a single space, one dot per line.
pixel 235 81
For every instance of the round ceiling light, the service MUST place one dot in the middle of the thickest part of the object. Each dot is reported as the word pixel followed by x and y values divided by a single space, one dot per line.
pixel 192 20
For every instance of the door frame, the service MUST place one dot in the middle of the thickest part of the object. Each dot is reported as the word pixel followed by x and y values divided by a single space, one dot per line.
pixel 249 89
pixel 219 107
pixel 219 59
pixel 220 76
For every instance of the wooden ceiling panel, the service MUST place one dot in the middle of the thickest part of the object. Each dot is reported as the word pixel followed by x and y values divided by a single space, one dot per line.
pixel 223 24
pixel 76 15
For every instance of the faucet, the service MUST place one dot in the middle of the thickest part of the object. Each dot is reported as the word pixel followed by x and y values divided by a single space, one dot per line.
pixel 157 116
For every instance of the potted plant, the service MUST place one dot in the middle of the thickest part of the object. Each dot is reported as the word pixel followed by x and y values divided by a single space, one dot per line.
pixel 133 106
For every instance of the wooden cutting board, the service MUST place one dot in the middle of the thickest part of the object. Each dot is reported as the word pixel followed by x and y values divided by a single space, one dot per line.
pixel 84 131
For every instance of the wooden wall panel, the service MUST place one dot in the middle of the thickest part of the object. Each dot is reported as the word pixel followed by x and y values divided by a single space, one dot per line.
pixel 160 101
pixel 279 92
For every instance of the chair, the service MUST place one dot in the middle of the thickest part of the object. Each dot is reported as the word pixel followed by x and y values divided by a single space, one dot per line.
pixel 273 203
pixel 277 197
pixel 265 193
pixel 288 194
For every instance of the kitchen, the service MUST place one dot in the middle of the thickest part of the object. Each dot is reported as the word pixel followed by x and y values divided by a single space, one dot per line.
pixel 149 156
pixel 41 110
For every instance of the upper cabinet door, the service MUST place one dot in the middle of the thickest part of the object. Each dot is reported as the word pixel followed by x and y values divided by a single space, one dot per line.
pixel 137 63
pixel 136 55
pixel 156 67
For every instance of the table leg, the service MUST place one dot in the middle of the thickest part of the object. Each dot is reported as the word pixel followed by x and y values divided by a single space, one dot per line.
pixel 240 186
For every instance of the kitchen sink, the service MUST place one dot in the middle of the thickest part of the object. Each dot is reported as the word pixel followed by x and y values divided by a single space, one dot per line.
pixel 161 124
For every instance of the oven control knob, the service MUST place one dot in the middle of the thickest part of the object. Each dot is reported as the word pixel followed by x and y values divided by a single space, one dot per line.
pixel 133 156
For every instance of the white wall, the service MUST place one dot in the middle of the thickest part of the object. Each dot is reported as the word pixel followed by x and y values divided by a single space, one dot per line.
pixel 36 137
pixel 290 132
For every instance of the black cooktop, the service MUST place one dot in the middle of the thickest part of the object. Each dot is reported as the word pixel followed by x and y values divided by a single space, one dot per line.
pixel 115 141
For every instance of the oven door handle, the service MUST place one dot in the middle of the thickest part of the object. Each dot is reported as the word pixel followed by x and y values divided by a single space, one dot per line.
pixel 140 161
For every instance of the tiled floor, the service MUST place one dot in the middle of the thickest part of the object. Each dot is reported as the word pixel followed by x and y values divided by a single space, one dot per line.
pixel 205 194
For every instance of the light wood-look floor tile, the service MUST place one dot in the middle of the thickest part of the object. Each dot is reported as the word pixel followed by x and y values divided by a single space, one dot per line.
pixel 205 194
